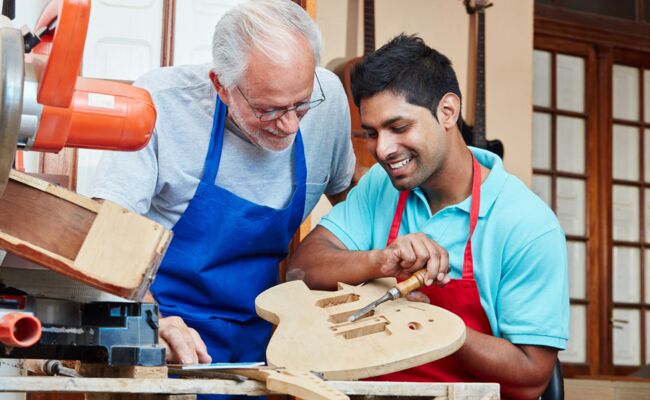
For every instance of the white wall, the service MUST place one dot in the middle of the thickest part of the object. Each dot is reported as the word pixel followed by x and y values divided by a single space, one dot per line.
pixel 193 29
pixel 125 40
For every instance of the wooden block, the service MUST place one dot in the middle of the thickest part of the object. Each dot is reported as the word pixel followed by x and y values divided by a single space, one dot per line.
pixel 100 244
pixel 403 390
pixel 586 389
pixel 54 396
pixel 119 387
pixel 313 333
pixel 474 391
pixel 418 390
pixel 28 213
pixel 135 372
pixel 602 388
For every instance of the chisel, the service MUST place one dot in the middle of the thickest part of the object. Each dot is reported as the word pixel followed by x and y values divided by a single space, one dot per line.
pixel 403 288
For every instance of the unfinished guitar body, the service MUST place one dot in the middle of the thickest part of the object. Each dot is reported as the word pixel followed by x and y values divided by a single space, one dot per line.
pixel 313 333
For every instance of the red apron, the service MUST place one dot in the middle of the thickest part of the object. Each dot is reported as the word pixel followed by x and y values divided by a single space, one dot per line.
pixel 459 296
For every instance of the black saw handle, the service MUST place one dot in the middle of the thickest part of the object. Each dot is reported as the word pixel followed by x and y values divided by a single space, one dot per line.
pixel 9 9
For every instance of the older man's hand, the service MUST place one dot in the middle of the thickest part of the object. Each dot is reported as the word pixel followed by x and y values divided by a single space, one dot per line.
pixel 182 344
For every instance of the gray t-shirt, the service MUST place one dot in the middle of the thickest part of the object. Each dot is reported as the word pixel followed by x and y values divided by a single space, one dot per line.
pixel 160 180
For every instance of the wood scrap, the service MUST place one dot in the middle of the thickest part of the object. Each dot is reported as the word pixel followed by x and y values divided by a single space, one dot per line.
pixel 98 243
pixel 304 385
pixel 134 372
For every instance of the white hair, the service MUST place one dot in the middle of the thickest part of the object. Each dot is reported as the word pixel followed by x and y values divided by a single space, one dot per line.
pixel 271 26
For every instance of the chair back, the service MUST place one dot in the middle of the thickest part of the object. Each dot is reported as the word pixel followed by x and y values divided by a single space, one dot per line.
pixel 555 388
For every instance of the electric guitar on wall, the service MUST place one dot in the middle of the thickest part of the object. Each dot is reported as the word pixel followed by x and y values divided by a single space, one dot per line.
pixel 474 135
pixel 359 142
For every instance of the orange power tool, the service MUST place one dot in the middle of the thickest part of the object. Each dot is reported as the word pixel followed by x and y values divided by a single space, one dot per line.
pixel 45 105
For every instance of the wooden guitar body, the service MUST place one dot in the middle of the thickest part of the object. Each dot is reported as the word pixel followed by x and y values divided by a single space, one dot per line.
pixel 313 334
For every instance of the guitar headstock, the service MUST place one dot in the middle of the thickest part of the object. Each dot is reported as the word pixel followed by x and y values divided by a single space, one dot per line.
pixel 473 6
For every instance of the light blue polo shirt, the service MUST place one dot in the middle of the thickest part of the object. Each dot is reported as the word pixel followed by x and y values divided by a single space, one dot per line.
pixel 519 248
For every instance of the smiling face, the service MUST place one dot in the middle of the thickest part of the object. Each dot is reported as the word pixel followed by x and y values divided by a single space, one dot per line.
pixel 404 138
pixel 268 85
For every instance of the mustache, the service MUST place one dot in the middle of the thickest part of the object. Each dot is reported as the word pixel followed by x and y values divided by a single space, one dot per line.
pixel 278 133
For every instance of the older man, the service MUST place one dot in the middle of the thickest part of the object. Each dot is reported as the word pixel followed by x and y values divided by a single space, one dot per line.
pixel 239 158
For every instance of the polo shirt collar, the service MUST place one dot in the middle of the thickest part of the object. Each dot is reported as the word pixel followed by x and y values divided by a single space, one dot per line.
pixel 492 186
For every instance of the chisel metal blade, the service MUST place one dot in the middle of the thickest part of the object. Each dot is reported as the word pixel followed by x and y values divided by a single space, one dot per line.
pixel 414 282
pixel 365 310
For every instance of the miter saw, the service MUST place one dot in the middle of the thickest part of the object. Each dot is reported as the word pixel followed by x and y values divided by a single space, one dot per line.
pixel 45 106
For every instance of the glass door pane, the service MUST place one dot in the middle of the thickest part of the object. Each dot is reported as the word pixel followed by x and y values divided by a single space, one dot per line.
pixel 630 218
pixel 571 144
pixel 571 205
pixel 626 92
pixel 626 337
pixel 560 172
pixel 626 275
pixel 542 78
pixel 570 83
pixel 576 351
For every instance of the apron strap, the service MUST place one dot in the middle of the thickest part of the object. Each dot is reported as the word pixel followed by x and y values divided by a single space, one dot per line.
pixel 468 262
pixel 397 218
pixel 211 165
pixel 300 168
pixel 213 158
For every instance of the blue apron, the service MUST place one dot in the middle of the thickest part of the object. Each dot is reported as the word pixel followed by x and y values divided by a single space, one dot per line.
pixel 225 252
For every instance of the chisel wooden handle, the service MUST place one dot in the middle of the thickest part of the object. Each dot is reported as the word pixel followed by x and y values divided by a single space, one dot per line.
pixel 414 282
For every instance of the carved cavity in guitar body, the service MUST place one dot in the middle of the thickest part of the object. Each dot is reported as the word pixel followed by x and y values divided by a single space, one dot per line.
pixel 337 300
pixel 364 327
pixel 343 317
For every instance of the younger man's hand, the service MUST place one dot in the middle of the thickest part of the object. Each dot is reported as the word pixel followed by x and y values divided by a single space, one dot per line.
pixel 412 252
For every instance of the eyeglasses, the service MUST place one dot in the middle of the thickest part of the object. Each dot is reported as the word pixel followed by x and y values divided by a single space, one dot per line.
pixel 272 115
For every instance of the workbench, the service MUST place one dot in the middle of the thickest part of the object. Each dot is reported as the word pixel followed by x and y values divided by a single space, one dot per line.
pixel 448 391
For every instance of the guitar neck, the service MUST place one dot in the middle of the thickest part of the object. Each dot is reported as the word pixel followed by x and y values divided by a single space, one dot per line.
pixel 479 119
pixel 368 26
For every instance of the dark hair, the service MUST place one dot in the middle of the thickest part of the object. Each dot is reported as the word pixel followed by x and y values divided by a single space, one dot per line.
pixel 408 67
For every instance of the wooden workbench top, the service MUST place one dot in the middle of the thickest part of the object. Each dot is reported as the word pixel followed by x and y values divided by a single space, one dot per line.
pixel 451 391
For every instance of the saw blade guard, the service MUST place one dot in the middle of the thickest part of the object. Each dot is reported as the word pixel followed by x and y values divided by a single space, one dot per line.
pixel 11 97
pixel 70 111
pixel 45 105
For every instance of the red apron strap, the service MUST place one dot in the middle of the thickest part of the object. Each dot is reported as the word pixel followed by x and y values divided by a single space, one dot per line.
pixel 397 218
pixel 468 263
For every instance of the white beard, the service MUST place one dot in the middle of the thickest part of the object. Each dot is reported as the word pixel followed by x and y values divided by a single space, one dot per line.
pixel 265 138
